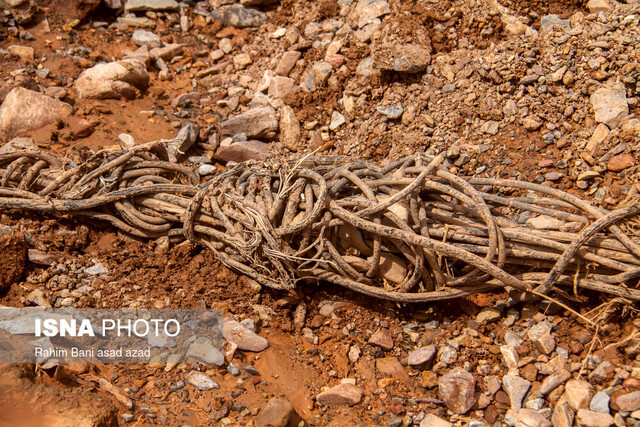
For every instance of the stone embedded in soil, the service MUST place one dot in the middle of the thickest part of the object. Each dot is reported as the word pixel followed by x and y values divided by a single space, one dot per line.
pixel 146 38
pixel 620 162
pixel 42 258
pixel 288 62
pixel 167 52
pixel 337 120
pixel 260 123
pixel 421 355
pixel 530 418
pixel 203 350
pixel 578 394
pixel 516 387
pixel 382 339
pixel 390 367
pixel 610 104
pixel 290 131
pixel 277 413
pixel 26 53
pixel 113 80
pixel 553 381
pixel 603 373
pixel 596 6
pixel 342 394
pixel 532 123
pixel 587 418
pixel 280 86
pixel 540 335
pixel 457 390
pixel 24 110
pixel 240 17
pixel 150 5
pixel 244 338
pixel 13 257
pixel 404 58
pixel 366 11
pixel 242 151
pixel 629 402
pixel 201 381
pixel 431 420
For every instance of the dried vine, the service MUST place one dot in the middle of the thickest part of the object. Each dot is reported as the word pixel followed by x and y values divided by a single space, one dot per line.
pixel 409 231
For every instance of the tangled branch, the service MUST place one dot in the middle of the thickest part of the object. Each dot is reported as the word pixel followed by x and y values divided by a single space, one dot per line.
pixel 409 231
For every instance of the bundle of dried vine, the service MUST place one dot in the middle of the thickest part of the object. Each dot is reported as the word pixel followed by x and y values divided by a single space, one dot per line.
pixel 409 231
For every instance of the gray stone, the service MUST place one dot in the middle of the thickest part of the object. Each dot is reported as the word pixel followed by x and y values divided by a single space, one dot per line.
pixel 512 339
pixel 540 335
pixel 510 357
pixel 365 67
pixel 149 5
pixel 516 387
pixel 261 122
pixel 201 381
pixel 530 418
pixel 96 270
pixel 392 112
pixel 136 22
pixel 340 395
pixel 167 52
pixel 457 390
pixel 318 76
pixel 447 354
pixel 244 338
pixel 24 110
pixel 421 355
pixel 610 104
pixel 277 413
pixel 203 350
pixel 240 17
pixel 600 403
pixel 185 139
pixel 549 21
pixel 587 418
pixel 146 38
pixel 113 80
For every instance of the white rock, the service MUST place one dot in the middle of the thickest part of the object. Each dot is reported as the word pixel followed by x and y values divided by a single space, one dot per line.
pixel 146 38
pixel 610 104
pixel 113 80
pixel 289 128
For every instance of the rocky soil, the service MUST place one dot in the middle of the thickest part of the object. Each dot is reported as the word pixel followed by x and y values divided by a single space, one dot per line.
pixel 539 91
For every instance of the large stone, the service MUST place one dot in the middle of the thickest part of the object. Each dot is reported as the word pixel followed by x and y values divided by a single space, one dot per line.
pixel 553 381
pixel 280 86
pixel 587 418
pixel 239 16
pixel 620 162
pixel 530 418
pixel 244 338
pixel 457 390
pixel 22 10
pixel 596 6
pixel 261 122
pixel 203 350
pixel 516 387
pixel 610 104
pixel 201 381
pixel 289 128
pixel 287 62
pixel 277 413
pixel 241 151
pixel 578 394
pixel 24 110
pixel 146 38
pixel 113 80
pixel 147 5
pixel 421 356
pixel 541 337
pixel 600 403
pixel 342 394
pixel 390 367
pixel 562 415
pixel 629 402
